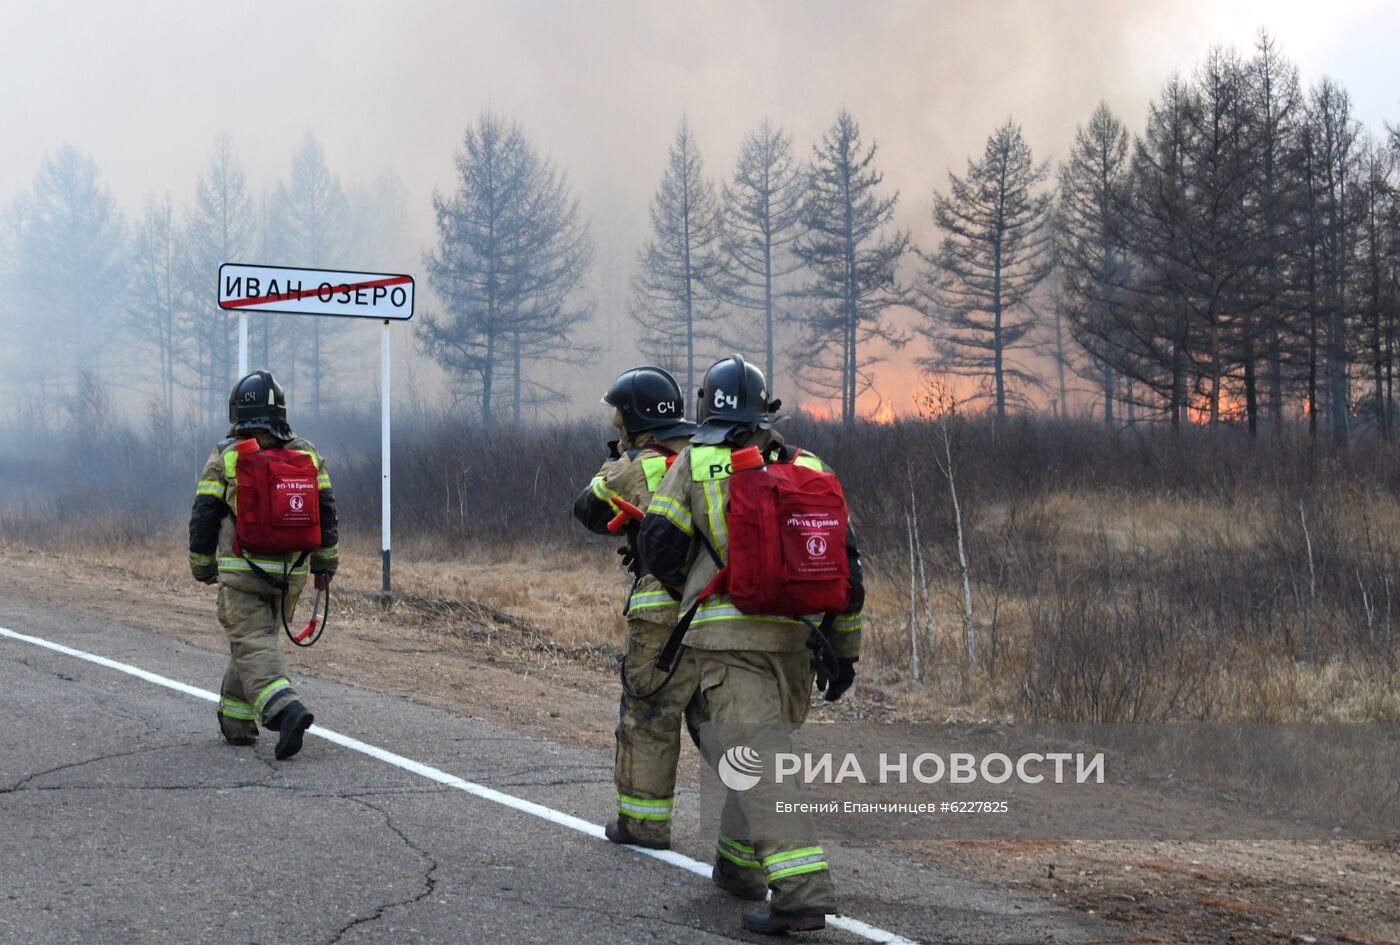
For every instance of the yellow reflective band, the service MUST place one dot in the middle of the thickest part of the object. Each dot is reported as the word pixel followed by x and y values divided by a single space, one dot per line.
pixel 714 506
pixel 642 808
pixel 271 689
pixel 709 462
pixel 809 461
pixel 323 481
pixel 273 566
pixel 848 622
pixel 604 494
pixel 672 510
pixel 210 487
pixel 794 863
pixel 236 710
pixel 720 608
pixel 231 465
pixel 201 560
pixel 327 554
pixel 740 854
pixel 650 600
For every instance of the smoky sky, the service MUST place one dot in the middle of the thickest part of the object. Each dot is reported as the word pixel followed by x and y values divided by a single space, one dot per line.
pixel 145 89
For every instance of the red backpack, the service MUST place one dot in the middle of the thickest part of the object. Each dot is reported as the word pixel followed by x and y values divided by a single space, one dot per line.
pixel 279 505
pixel 787 539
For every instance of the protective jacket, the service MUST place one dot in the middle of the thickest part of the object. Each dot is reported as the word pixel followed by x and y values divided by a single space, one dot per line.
pixel 685 521
pixel 632 477
pixel 216 504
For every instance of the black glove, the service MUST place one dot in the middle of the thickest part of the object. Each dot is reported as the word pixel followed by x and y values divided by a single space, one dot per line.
pixel 629 561
pixel 835 687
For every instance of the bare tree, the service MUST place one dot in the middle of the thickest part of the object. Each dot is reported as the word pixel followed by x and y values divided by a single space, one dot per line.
pixel 217 230
pixel 759 223
pixel 853 258
pixel 511 254
pixel 314 215
pixel 995 251
pixel 156 296
pixel 675 289
pixel 68 274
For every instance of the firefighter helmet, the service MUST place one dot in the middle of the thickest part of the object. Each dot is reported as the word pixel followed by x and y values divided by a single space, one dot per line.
pixel 733 400
pixel 650 401
pixel 257 402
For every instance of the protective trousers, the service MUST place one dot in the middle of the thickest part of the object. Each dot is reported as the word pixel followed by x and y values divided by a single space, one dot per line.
pixel 755 699
pixel 649 733
pixel 255 686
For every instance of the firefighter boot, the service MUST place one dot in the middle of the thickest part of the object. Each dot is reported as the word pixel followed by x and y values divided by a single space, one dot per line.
pixel 291 723
pixel 766 920
pixel 618 832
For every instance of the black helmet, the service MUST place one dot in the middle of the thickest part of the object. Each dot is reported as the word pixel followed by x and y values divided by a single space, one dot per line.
pixel 257 402
pixel 733 398
pixel 650 401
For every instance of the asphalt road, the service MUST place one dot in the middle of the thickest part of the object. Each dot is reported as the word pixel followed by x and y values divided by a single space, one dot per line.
pixel 124 818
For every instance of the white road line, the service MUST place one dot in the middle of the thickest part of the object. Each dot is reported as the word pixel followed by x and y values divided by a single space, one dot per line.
pixel 854 926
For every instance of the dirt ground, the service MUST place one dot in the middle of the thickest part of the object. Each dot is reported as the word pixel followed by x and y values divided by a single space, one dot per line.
pixel 530 643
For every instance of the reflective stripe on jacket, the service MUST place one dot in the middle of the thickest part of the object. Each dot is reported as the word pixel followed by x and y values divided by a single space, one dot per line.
pixel 688 511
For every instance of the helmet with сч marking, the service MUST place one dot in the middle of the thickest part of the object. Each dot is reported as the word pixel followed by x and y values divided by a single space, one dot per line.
pixel 258 403
pixel 733 400
pixel 650 401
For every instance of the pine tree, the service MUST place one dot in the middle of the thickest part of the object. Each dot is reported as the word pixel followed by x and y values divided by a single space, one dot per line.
pixel 995 251
pixel 853 259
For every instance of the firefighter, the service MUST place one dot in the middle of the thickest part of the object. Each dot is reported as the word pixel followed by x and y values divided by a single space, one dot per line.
pixel 756 671
pixel 256 689
pixel 649 416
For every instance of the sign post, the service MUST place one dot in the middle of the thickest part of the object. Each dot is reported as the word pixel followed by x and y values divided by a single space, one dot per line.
pixel 338 293
pixel 384 451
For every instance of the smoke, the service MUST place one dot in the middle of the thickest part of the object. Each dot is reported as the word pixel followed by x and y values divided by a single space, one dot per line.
pixel 146 89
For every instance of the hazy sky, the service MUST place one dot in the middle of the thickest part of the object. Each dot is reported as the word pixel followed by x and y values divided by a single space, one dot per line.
pixel 146 87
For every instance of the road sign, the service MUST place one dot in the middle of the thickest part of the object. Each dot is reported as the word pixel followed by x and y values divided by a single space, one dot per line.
pixel 341 293
pixel 291 291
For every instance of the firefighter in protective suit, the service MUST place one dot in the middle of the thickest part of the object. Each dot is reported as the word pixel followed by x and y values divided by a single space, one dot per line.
pixel 649 416
pixel 256 689
pixel 755 671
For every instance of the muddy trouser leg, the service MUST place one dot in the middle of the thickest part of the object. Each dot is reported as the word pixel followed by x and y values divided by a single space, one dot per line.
pixel 649 733
pixel 252 625
pixel 754 699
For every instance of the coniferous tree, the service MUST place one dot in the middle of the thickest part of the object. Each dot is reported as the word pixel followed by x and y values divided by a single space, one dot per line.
pixel 157 297
pixel 217 230
pixel 675 291
pixel 762 209
pixel 995 251
pixel 315 216
pixel 512 252
pixel 1092 259
pixel 69 272
pixel 853 259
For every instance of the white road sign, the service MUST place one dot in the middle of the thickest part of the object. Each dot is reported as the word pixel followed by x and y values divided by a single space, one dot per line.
pixel 244 288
